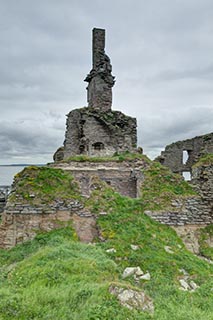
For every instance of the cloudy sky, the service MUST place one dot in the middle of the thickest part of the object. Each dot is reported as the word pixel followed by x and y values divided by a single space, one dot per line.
pixel 161 53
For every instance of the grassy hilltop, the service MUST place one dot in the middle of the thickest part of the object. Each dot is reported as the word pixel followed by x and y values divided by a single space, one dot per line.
pixel 55 276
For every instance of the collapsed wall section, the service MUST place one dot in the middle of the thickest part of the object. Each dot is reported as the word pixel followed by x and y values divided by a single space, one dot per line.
pixel 182 155
pixel 97 134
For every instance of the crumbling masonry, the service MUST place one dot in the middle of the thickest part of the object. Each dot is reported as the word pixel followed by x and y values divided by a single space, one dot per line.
pixel 96 130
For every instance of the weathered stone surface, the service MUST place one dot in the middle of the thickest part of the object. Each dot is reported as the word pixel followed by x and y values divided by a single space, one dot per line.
pixel 125 177
pixel 192 211
pixel 172 157
pixel 111 250
pixel 133 299
pixel 98 134
pixel 184 284
pixel 59 154
pixel 168 249
pixel 128 272
pixel 134 247
pixel 4 190
pixel 190 235
pixel 21 222
pixel 145 276
pixel 100 79
pixel 85 227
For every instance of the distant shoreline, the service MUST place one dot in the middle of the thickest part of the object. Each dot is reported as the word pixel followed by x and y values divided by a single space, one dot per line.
pixel 22 165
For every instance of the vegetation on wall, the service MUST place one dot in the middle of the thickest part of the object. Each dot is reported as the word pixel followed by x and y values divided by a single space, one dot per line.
pixel 117 157
pixel 37 185
pixel 205 160
pixel 161 186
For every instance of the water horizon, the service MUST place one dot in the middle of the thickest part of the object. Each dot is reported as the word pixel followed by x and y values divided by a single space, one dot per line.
pixel 7 172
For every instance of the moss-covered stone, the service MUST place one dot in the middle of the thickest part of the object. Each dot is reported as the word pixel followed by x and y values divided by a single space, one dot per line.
pixel 161 186
pixel 36 185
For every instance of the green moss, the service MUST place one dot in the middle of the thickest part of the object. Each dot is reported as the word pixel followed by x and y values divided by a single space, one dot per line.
pixel 161 186
pixel 206 241
pixel 117 157
pixel 43 185
pixel 205 160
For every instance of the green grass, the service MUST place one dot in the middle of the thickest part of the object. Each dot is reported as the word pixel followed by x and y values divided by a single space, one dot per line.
pixel 161 186
pixel 205 160
pixel 206 237
pixel 117 157
pixel 43 185
pixel 56 277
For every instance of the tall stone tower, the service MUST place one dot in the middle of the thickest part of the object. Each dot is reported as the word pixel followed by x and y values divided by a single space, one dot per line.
pixel 100 79
pixel 96 130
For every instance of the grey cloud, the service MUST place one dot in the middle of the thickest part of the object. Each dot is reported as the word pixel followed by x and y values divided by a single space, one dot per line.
pixel 161 53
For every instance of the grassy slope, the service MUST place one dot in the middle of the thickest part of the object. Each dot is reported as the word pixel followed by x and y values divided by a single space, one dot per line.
pixel 56 277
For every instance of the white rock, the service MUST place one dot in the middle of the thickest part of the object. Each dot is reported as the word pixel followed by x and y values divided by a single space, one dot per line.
pixel 138 272
pixel 129 272
pixel 102 213
pixel 193 285
pixel 134 247
pixel 184 284
pixel 168 249
pixel 133 299
pixel 112 250
pixel 146 276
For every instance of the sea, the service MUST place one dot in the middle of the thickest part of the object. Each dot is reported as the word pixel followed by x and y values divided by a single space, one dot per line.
pixel 7 174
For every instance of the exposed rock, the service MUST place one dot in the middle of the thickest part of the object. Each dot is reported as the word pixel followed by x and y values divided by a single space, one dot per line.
pixel 193 285
pixel 85 227
pixel 187 285
pixel 129 272
pixel 111 250
pixel 134 247
pixel 59 154
pixel 138 272
pixel 190 235
pixel 133 299
pixel 168 249
pixel 146 276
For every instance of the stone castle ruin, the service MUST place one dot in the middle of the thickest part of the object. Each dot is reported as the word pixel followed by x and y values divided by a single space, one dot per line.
pixel 94 136
pixel 96 130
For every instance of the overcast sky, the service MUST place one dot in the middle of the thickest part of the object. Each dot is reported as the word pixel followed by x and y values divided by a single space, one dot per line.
pixel 162 56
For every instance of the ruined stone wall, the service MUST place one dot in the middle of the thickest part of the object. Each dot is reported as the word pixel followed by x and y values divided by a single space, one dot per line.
pixel 202 179
pixel 98 134
pixel 100 79
pixel 4 190
pixel 185 211
pixel 22 222
pixel 125 177
pixel 172 157
pixel 191 210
